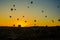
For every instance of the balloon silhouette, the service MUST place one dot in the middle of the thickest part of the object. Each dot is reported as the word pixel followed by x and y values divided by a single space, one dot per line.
pixel 19 26
pixel 46 16
pixel 17 18
pixel 13 24
pixel 53 21
pixel 31 2
pixel 42 11
pixel 11 9
pixel 34 20
pixel 23 16
pixel 13 5
pixel 14 9
pixel 25 21
pixel 27 6
pixel 10 16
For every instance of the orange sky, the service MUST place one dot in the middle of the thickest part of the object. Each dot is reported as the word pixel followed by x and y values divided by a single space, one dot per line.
pixel 34 12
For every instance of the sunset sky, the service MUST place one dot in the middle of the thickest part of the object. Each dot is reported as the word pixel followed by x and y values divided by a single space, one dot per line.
pixel 38 10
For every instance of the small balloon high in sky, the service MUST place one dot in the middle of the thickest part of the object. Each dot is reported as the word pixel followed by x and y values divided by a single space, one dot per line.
pixel 22 12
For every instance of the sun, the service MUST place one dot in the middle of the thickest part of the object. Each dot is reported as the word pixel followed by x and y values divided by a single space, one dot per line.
pixel 21 23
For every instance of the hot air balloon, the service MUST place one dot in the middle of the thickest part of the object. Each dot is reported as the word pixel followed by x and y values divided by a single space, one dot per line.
pixel 13 24
pixel 53 21
pixel 27 6
pixel 14 5
pixel 11 9
pixel 23 16
pixel 25 21
pixel 46 16
pixel 19 26
pixel 14 9
pixel 34 20
pixel 17 18
pixel 10 16
pixel 42 11
pixel 31 2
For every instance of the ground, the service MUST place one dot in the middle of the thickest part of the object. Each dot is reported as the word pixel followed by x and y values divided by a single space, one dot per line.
pixel 30 33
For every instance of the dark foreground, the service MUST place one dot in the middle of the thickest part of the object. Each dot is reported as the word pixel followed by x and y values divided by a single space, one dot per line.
pixel 31 33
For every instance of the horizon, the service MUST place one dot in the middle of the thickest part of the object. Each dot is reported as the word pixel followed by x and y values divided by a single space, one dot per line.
pixel 19 26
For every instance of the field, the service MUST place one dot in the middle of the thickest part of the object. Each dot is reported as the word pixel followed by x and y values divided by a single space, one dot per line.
pixel 30 33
